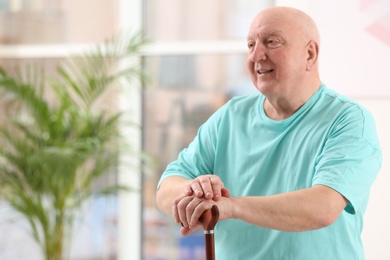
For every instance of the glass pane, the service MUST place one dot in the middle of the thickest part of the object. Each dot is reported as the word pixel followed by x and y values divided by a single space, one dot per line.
pixel 186 90
pixel 95 233
pixel 56 21
pixel 194 20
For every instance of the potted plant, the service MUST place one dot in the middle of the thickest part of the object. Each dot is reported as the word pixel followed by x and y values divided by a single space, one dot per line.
pixel 56 140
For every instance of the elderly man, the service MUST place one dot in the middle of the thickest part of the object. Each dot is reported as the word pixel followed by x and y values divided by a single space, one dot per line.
pixel 290 167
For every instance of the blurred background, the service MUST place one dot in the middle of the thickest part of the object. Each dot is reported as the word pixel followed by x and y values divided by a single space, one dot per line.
pixel 195 60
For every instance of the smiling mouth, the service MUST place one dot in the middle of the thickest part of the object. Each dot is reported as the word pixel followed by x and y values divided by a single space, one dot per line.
pixel 264 71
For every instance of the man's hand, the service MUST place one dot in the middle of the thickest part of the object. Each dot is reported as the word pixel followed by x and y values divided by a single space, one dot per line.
pixel 188 209
pixel 176 194
pixel 199 195
pixel 207 186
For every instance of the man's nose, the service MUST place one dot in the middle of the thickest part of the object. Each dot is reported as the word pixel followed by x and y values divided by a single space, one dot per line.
pixel 258 53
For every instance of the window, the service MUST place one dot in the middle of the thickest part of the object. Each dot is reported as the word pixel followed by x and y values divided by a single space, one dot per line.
pixel 197 60
pixel 44 32
pixel 56 22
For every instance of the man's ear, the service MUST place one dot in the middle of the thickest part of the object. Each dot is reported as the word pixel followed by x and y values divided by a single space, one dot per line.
pixel 312 50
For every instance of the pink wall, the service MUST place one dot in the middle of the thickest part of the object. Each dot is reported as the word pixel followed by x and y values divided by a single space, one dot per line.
pixel 355 54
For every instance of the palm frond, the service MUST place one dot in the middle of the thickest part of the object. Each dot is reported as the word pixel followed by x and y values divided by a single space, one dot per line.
pixel 26 95
pixel 53 151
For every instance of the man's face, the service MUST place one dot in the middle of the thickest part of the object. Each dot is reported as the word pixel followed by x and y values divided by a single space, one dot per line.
pixel 276 54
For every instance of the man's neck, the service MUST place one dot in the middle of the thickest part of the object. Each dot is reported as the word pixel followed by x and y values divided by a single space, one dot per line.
pixel 280 108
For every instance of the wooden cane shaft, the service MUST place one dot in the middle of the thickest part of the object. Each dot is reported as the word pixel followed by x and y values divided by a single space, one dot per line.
pixel 209 245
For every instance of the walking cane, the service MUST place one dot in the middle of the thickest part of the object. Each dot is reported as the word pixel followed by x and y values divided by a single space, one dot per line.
pixel 209 219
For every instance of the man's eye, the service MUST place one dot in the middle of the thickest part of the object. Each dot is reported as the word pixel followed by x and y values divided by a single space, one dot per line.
pixel 273 43
pixel 251 45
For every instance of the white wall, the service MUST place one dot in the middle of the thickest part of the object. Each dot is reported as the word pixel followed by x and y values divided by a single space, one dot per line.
pixel 352 59
pixel 355 61
pixel 376 232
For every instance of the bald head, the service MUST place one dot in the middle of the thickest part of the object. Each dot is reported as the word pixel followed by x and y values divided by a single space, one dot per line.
pixel 283 48
pixel 297 21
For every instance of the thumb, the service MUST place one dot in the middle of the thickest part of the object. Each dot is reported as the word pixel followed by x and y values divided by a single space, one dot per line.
pixel 225 193
pixel 185 231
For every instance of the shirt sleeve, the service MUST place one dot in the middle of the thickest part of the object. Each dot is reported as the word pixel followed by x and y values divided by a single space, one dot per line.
pixel 198 158
pixel 351 158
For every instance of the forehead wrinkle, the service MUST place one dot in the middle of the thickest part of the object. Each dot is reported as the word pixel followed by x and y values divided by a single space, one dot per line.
pixel 266 33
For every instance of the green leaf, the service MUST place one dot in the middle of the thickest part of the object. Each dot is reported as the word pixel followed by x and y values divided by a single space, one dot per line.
pixel 57 140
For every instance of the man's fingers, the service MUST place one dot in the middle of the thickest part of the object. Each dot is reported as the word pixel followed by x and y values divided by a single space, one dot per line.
pixel 225 193
pixel 196 188
pixel 180 209
pixel 185 231
pixel 211 186
pixel 207 187
pixel 190 210
pixel 175 211
pixel 217 186
pixel 188 190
